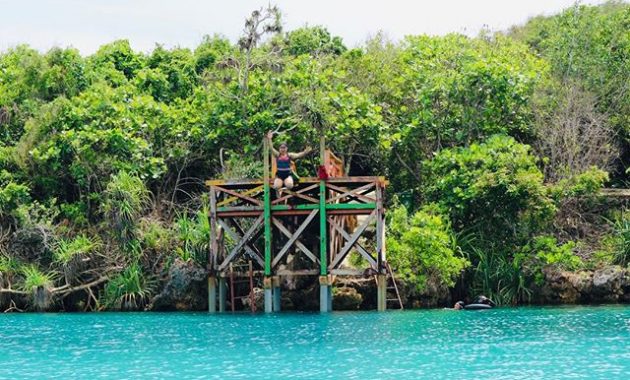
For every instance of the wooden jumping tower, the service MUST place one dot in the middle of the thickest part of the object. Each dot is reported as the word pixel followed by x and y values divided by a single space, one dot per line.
pixel 320 220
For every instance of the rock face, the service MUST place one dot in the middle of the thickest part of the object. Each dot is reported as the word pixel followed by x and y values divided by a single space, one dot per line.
pixel 185 289
pixel 607 284
pixel 346 298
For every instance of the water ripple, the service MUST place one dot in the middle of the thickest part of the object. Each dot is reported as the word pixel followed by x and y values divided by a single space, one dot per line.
pixel 522 343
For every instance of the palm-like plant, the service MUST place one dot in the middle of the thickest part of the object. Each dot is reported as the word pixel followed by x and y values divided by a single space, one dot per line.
pixel 38 284
pixel 129 290
pixel 195 235
pixel 73 254
pixel 126 197
pixel 621 233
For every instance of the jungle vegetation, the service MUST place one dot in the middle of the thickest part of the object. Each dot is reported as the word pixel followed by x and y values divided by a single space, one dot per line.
pixel 496 148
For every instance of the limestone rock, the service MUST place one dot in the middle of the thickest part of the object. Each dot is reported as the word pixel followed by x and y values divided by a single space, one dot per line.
pixel 185 289
pixel 608 283
pixel 346 298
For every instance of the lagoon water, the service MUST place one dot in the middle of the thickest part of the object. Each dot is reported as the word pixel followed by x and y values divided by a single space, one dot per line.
pixel 510 343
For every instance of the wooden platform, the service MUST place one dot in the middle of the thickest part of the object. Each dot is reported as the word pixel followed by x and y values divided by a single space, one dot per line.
pixel 280 222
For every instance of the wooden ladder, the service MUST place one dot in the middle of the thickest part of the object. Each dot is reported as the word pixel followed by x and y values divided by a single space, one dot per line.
pixel 234 282
pixel 393 286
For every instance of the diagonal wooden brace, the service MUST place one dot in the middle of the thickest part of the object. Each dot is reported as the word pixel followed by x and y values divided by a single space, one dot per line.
pixel 358 246
pixel 353 239
pixel 355 193
pixel 252 192
pixel 238 235
pixel 298 243
pixel 294 238
pixel 239 195
pixel 298 194
pixel 241 243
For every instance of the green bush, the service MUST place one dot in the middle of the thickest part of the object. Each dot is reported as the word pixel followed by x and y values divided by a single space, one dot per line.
pixel 493 188
pixel 422 248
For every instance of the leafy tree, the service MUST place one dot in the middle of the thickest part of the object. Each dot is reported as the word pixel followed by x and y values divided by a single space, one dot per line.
pixel 312 40
pixel 494 188
pixel 423 250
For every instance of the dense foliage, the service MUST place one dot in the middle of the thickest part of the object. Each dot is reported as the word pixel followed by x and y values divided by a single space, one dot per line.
pixel 103 158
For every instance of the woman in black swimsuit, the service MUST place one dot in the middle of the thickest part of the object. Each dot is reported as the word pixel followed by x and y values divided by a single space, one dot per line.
pixel 283 163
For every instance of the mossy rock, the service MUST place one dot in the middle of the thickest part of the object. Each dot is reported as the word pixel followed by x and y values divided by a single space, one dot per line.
pixel 346 298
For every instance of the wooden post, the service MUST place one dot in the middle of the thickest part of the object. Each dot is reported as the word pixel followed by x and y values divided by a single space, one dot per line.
pixel 267 211
pixel 381 292
pixel 212 254
pixel 325 289
pixel 267 225
pixel 212 294
pixel 252 301
pixel 380 229
pixel 325 294
pixel 277 293
pixel 267 284
pixel 222 294
pixel 232 303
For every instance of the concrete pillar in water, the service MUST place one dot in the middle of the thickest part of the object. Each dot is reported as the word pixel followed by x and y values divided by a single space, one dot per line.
pixel 277 293
pixel 212 294
pixel 222 294
pixel 325 294
pixel 267 284
pixel 381 292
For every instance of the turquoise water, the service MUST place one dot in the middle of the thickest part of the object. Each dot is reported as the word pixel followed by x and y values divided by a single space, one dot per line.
pixel 520 343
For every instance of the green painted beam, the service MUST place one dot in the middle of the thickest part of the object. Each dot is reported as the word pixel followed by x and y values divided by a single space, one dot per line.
pixel 351 206
pixel 323 230
pixel 240 208
pixel 296 207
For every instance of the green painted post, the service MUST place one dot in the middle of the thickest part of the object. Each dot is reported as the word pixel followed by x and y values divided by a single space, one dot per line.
pixel 267 222
pixel 267 211
pixel 325 286
pixel 323 227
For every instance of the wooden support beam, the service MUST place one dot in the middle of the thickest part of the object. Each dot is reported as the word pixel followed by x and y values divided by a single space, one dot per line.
pixel 214 242
pixel 267 211
pixel 252 249
pixel 380 229
pixel 323 230
pixel 293 238
pixel 358 246
pixel 298 194
pixel 229 200
pixel 351 206
pixel 356 193
pixel 298 272
pixel 298 243
pixel 212 294
pixel 239 195
pixel 239 245
pixel 238 236
pixel 350 243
